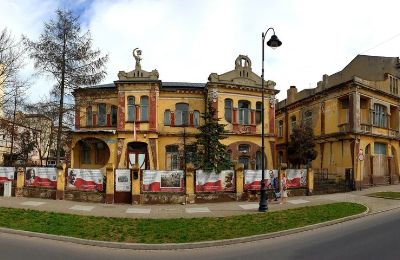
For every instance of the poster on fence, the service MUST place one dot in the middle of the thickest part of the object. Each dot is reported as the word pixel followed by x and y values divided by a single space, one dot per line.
pixel 122 180
pixel 41 177
pixel 85 179
pixel 211 181
pixel 162 181
pixel 296 178
pixel 252 179
pixel 7 174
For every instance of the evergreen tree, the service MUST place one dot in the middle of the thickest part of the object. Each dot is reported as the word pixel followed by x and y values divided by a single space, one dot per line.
pixel 212 154
pixel 301 146
pixel 66 54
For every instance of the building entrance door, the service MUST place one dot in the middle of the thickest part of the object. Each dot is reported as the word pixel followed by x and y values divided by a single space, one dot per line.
pixel 136 153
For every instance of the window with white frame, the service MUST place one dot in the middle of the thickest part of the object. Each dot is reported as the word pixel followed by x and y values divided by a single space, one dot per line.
pixel 102 114
pixel 131 109
pixel 144 108
pixel 379 115
pixel 280 128
pixel 182 114
pixel 244 112
pixel 172 157
pixel 228 110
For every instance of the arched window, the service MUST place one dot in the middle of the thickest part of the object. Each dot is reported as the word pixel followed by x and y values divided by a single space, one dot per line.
pixel 228 110
pixel 89 116
pixel 167 117
pixel 131 109
pixel 244 148
pixel 114 114
pixel 182 114
pixel 258 112
pixel 244 112
pixel 259 160
pixel 102 114
pixel 144 108
pixel 196 118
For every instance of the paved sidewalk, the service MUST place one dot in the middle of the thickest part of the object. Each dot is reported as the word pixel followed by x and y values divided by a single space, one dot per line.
pixel 219 209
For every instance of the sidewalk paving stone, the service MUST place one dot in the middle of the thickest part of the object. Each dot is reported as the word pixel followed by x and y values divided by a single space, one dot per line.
pixel 82 208
pixel 197 210
pixel 249 206
pixel 137 211
pixel 32 203
pixel 300 201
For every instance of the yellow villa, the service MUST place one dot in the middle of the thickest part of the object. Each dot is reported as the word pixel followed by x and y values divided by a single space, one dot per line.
pixel 141 119
pixel 354 114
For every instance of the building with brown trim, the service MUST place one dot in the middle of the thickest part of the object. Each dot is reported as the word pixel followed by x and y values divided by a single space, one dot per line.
pixel 354 114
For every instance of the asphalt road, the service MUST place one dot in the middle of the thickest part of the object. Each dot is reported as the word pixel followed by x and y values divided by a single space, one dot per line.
pixel 372 237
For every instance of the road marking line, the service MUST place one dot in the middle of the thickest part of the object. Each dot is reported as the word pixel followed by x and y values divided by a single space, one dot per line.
pixel 138 211
pixel 32 203
pixel 82 208
pixel 197 210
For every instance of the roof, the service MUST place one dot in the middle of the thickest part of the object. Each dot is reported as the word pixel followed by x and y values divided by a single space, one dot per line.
pixel 182 85
pixel 166 85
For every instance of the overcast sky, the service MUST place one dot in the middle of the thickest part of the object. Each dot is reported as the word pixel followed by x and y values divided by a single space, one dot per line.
pixel 187 40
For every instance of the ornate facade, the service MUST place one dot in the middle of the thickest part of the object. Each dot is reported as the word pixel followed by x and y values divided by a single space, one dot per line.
pixel 141 119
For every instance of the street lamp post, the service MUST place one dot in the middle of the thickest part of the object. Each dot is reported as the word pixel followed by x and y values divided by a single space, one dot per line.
pixel 274 42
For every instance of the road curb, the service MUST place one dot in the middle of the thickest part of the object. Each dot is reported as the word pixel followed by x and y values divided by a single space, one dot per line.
pixel 138 246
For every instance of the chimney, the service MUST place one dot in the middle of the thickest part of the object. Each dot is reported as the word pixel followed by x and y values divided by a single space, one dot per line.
pixel 291 94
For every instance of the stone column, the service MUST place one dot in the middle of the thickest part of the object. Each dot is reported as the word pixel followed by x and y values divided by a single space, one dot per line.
pixel 239 172
pixel 190 185
pixel 20 182
pixel 310 181
pixel 135 184
pixel 109 183
pixel 60 181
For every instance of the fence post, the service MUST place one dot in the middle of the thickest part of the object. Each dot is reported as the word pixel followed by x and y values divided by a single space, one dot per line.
pixel 135 184
pixel 19 191
pixel 109 183
pixel 60 181
pixel 239 171
pixel 310 181
pixel 190 187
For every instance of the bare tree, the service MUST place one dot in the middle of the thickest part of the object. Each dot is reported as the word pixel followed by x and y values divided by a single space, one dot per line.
pixel 11 52
pixel 66 54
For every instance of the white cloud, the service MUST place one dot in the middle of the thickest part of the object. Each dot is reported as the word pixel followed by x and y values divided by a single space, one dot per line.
pixel 188 40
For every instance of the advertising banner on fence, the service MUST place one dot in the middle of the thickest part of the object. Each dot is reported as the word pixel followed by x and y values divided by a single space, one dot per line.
pixel 7 174
pixel 162 181
pixel 211 181
pixel 122 180
pixel 252 179
pixel 296 178
pixel 41 177
pixel 85 179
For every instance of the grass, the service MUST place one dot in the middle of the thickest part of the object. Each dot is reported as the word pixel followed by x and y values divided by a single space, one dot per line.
pixel 386 195
pixel 171 230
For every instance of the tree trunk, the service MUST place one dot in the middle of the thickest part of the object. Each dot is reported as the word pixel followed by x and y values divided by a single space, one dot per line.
pixel 13 128
pixel 61 108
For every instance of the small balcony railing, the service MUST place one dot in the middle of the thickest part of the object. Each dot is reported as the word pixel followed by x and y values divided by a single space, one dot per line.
pixel 343 128
pixel 366 128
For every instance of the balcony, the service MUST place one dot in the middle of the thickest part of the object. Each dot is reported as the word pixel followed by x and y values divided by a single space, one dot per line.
pixel 366 128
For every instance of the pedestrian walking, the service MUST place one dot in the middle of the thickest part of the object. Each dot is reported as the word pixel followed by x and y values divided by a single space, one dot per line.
pixel 283 188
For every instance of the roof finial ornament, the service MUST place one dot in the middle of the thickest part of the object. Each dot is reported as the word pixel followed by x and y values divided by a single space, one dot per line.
pixel 136 54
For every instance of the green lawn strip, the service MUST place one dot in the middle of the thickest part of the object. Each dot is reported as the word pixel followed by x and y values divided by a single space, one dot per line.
pixel 386 195
pixel 172 230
